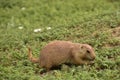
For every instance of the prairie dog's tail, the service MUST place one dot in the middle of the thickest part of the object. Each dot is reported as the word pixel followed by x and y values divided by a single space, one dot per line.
pixel 32 59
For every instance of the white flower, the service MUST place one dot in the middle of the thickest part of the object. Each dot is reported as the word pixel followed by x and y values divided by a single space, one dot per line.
pixel 37 30
pixel 23 8
pixel 48 28
pixel 20 27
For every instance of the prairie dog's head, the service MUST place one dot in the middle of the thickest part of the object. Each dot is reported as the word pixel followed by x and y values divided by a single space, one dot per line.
pixel 87 52
pixel 84 52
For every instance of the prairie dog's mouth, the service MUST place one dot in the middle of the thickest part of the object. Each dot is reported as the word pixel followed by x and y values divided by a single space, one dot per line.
pixel 88 59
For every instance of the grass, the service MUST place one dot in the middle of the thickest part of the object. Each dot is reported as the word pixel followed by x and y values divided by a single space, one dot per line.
pixel 95 22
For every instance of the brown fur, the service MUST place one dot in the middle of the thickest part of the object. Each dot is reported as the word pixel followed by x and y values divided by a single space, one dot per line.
pixel 59 52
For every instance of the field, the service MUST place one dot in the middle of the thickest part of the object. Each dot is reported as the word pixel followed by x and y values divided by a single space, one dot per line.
pixel 34 23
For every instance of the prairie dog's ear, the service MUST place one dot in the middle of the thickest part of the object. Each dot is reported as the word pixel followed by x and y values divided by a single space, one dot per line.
pixel 83 47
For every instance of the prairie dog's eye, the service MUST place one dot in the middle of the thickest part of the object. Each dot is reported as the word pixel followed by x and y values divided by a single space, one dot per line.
pixel 88 51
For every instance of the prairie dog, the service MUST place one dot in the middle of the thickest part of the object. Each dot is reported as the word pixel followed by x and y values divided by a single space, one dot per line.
pixel 59 52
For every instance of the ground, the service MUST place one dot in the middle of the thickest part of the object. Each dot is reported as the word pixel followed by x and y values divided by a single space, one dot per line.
pixel 34 23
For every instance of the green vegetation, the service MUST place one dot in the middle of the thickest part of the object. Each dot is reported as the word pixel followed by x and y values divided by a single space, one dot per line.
pixel 96 22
